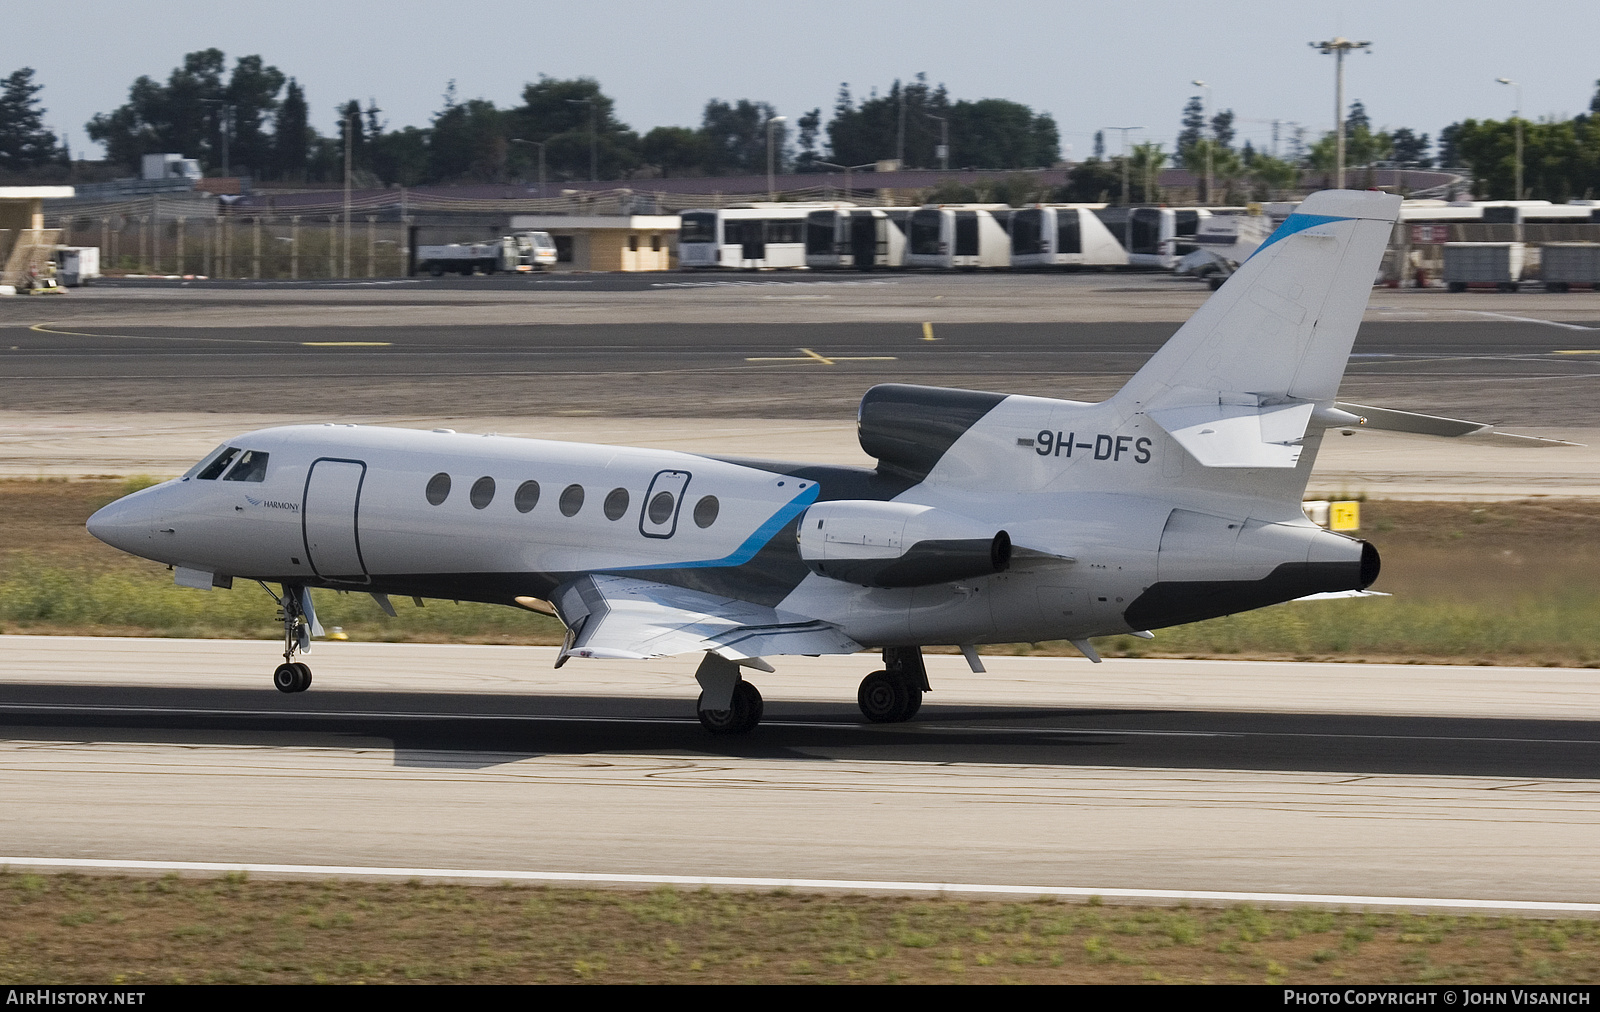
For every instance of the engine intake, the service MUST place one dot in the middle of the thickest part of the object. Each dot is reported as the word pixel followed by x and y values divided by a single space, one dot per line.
pixel 887 544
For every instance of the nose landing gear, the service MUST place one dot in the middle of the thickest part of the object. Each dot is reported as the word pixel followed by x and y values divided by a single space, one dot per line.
pixel 299 620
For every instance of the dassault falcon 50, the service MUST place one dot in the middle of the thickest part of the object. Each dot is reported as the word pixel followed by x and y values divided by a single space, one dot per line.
pixel 990 518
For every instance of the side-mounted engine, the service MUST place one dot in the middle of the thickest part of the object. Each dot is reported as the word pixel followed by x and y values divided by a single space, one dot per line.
pixel 889 544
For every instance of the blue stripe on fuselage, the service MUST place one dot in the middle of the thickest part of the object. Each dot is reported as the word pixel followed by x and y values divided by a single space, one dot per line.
pixel 1296 223
pixel 753 544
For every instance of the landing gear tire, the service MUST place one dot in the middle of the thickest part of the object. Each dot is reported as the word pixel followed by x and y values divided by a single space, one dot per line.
pixel 885 699
pixel 742 715
pixel 291 677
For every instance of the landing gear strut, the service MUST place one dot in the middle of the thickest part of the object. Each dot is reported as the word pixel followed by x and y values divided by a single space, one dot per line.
pixel 298 622
pixel 894 694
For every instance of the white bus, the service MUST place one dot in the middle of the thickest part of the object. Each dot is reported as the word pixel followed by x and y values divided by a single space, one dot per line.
pixel 863 238
pixel 960 235
pixel 1156 236
pixel 1045 236
pixel 751 238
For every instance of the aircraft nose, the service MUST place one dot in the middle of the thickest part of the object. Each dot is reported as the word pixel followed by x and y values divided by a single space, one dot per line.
pixel 129 523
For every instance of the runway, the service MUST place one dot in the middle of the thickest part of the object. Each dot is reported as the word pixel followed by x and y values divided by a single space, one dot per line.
pixel 741 347
pixel 1168 775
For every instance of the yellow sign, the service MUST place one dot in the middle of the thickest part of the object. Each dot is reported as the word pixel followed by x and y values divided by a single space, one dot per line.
pixel 1344 516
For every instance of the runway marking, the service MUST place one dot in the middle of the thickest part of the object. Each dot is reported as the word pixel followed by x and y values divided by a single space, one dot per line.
pixel 927 331
pixel 1523 319
pixel 814 884
pixel 732 284
pixel 1577 351
pixel 347 344
pixel 809 356
pixel 44 328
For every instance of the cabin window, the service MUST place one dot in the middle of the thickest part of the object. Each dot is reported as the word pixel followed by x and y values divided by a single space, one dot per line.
pixel 252 466
pixel 438 488
pixel 655 243
pixel 633 242
pixel 571 500
pixel 482 493
pixel 214 469
pixel 616 504
pixel 527 496
pixel 705 511
pixel 661 508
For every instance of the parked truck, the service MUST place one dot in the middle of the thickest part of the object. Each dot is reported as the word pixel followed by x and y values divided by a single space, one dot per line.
pixel 521 251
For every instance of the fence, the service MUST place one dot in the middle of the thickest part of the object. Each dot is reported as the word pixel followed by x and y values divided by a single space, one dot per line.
pixel 258 246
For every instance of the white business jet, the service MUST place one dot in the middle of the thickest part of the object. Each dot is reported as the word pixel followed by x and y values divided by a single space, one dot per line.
pixel 990 518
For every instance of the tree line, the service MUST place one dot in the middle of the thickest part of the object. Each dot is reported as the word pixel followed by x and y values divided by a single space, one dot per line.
pixel 252 119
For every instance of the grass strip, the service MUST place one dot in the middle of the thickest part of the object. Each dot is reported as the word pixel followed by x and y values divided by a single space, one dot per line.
pixel 80 929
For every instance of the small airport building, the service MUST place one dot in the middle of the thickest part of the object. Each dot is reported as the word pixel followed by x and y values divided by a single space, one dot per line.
pixel 25 244
pixel 607 242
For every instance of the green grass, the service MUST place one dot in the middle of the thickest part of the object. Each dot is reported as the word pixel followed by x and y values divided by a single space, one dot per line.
pixel 90 929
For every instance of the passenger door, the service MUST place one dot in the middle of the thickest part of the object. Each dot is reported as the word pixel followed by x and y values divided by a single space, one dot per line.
pixel 330 520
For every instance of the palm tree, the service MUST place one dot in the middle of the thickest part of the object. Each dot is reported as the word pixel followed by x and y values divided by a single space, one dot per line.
pixel 1146 161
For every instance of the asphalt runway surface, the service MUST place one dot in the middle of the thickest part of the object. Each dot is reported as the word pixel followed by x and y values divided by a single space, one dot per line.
pixel 1135 774
pixel 1511 372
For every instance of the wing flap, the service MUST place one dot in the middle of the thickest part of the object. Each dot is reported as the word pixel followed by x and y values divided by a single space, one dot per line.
pixel 621 617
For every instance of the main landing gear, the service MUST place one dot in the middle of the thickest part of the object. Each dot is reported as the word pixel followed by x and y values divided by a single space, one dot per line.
pixel 728 704
pixel 894 694
pixel 294 611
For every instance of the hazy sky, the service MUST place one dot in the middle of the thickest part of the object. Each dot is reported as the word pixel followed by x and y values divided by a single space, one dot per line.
pixel 1091 65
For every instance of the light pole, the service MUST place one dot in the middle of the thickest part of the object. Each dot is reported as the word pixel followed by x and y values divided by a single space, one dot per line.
pixel 540 146
pixel 1125 161
pixel 349 133
pixel 847 170
pixel 227 127
pixel 944 140
pixel 1338 46
pixel 772 183
pixel 1516 114
pixel 594 150
pixel 1205 107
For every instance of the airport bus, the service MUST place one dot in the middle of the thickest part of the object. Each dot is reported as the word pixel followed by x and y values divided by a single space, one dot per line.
pixel 1071 236
pixel 754 237
pixel 863 238
pixel 960 235
pixel 1156 236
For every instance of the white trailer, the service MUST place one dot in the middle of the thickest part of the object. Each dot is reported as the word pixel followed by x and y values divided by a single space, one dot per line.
pixel 1155 236
pixel 1563 265
pixel 1071 236
pixel 1483 264
pixel 77 265
pixel 960 236
pixel 522 251
pixel 863 238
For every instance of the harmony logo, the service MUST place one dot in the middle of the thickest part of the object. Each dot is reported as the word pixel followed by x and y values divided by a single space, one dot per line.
pixel 273 504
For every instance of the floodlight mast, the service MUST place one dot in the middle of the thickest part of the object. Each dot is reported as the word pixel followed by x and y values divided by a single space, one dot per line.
pixel 1338 46
pixel 1516 115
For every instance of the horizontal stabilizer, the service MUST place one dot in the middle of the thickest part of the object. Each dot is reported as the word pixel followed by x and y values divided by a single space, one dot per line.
pixel 1390 420
pixel 614 616
pixel 1238 435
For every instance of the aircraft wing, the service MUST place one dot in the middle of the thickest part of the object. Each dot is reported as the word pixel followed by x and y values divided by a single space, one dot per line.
pixel 618 616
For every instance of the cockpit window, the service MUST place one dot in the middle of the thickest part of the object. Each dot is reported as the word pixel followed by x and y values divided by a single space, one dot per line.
pixel 218 464
pixel 251 467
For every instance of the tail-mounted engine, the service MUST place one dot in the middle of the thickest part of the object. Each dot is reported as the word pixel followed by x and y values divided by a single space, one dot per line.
pixel 888 544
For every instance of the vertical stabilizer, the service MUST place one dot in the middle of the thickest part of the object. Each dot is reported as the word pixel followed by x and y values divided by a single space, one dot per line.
pixel 1273 341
